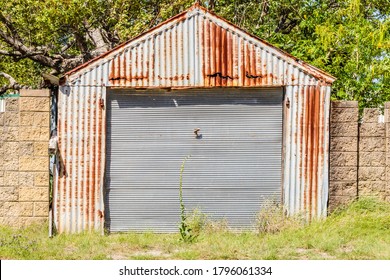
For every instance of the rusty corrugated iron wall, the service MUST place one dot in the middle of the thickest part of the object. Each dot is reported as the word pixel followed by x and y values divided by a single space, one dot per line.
pixel 306 123
pixel 78 194
pixel 194 49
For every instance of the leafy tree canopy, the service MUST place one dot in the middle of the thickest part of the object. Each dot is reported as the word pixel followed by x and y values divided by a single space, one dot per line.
pixel 349 39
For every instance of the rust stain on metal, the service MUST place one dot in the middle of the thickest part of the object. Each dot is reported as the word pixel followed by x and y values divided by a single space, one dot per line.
pixel 175 78
pixel 82 162
pixel 301 139
pixel 307 149
pixel 235 59
pixel 117 67
pixel 112 71
pixel 76 161
pixel 229 57
pixel 245 62
pixel 317 146
pixel 135 67
pixel 252 67
pixel 102 162
pixel 146 74
pixel 218 51
pixel 69 162
pixel 99 157
pixel 206 51
pixel 225 58
pixel 152 60
pixel 93 164
pixel 252 76
pixel 220 75
pixel 130 66
pixel 88 169
pixel 321 141
pixel 314 149
pixel 242 60
pixel 202 43
pixel 311 150
pixel 124 67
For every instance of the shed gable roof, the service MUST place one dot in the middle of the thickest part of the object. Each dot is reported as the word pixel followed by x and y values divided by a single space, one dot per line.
pixel 199 48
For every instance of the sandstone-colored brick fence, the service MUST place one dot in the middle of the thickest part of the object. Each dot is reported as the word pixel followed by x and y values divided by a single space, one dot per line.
pixel 359 153
pixel 24 161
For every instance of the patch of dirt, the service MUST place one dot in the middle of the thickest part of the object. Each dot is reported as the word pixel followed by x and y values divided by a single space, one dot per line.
pixel 70 250
pixel 153 252
pixel 305 253
pixel 118 257
pixel 347 249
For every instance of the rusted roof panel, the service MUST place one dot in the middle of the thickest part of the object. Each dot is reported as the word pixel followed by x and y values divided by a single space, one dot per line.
pixel 197 49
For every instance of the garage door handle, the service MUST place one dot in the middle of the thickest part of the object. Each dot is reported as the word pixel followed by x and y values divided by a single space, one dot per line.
pixel 197 134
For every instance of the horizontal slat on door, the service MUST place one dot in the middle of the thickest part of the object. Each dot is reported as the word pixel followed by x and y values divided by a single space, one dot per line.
pixel 234 166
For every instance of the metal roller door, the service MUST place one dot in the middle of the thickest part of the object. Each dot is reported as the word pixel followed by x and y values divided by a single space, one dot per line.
pixel 235 161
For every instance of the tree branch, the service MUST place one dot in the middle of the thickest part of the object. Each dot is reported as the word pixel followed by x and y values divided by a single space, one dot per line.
pixel 7 53
pixel 97 38
pixel 90 41
pixel 21 50
pixel 9 25
pixel 285 23
pixel 11 85
pixel 17 55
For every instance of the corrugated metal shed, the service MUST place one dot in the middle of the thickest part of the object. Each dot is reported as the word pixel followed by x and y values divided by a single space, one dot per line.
pixel 191 50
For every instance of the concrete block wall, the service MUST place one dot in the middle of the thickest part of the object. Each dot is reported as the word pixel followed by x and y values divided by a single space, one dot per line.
pixel 372 155
pixel 24 161
pixel 343 153
pixel 359 153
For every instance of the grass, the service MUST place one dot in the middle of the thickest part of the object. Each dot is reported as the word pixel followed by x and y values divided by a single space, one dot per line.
pixel 360 231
